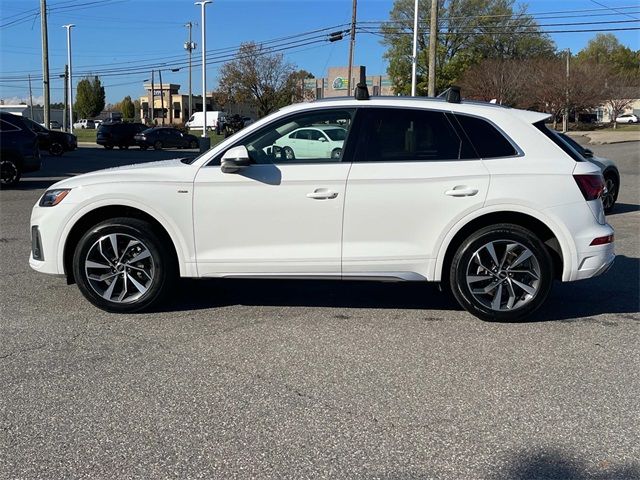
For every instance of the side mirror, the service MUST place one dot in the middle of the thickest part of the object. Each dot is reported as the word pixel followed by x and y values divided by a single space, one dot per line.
pixel 588 153
pixel 235 159
pixel 322 139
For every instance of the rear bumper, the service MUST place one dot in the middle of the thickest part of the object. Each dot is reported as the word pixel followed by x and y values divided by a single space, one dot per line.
pixel 595 262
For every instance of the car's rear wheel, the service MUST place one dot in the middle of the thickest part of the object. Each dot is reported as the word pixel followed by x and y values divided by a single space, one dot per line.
pixel 157 145
pixel 56 149
pixel 611 194
pixel 501 273
pixel 143 147
pixel 9 173
pixel 193 144
pixel 335 153
pixel 122 265
pixel 288 154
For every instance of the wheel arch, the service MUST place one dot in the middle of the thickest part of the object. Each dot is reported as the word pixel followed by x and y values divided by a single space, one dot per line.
pixel 105 212
pixel 548 234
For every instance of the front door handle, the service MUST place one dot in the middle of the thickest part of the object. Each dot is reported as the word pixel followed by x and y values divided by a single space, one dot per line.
pixel 461 191
pixel 322 194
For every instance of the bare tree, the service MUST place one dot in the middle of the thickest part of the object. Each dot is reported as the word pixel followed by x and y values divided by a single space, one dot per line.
pixel 259 77
pixel 497 79
pixel 619 94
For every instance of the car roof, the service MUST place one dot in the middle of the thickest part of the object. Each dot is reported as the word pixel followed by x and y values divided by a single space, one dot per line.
pixel 482 109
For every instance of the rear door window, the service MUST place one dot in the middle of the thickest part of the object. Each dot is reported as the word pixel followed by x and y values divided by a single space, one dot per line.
pixel 401 135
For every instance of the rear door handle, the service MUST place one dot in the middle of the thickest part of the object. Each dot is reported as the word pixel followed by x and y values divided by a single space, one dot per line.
pixel 461 191
pixel 322 194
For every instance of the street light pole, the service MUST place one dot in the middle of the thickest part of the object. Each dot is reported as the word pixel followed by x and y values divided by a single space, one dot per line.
pixel 433 43
pixel 68 27
pixel 203 4
pixel 190 46
pixel 414 58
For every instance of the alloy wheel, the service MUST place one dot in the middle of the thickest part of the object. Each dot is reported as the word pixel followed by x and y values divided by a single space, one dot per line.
pixel 119 268
pixel 9 172
pixel 503 275
pixel 609 195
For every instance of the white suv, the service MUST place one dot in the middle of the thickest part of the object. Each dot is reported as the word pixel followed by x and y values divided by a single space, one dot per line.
pixel 481 198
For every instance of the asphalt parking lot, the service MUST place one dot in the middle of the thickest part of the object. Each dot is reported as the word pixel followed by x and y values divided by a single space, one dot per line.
pixel 282 379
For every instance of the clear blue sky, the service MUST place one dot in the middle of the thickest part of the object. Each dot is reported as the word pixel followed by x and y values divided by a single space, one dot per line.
pixel 133 33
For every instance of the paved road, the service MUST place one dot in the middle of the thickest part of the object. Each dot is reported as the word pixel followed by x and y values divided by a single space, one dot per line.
pixel 249 379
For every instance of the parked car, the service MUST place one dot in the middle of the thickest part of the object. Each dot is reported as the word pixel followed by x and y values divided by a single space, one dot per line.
pixel 118 134
pixel 609 172
pixel 425 190
pixel 19 151
pixel 316 141
pixel 83 123
pixel 627 118
pixel 165 137
pixel 56 143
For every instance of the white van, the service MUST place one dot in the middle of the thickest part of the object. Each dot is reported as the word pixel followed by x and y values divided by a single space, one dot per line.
pixel 214 119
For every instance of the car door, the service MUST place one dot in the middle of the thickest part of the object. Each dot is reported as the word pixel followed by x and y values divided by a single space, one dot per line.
pixel 414 175
pixel 277 217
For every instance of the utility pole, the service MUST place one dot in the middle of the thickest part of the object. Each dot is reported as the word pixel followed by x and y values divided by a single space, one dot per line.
pixel 152 103
pixel 204 143
pixel 65 117
pixel 161 96
pixel 70 84
pixel 45 60
pixel 189 47
pixel 433 43
pixel 30 99
pixel 352 44
pixel 414 57
pixel 565 117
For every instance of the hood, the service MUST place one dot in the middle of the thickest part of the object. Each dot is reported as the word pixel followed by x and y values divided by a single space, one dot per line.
pixel 161 171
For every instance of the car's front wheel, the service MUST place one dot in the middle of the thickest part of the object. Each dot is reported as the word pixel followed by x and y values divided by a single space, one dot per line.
pixel 122 265
pixel 288 154
pixel 56 149
pixel 193 144
pixel 157 145
pixel 501 273
pixel 9 173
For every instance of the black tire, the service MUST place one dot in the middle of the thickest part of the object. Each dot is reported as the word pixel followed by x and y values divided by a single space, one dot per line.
pixel 163 267
pixel 108 147
pixel 492 280
pixel 9 173
pixel 335 153
pixel 157 145
pixel 56 149
pixel 143 147
pixel 123 147
pixel 287 153
pixel 613 187
pixel 193 144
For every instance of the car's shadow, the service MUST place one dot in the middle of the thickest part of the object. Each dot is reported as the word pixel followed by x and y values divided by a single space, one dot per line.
pixel 617 292
pixel 624 208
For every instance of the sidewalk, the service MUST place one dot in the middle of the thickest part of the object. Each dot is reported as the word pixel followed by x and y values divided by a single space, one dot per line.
pixel 608 136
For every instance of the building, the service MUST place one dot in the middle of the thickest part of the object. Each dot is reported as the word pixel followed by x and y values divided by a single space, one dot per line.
pixel 170 104
pixel 337 85
pixel 55 114
pixel 603 112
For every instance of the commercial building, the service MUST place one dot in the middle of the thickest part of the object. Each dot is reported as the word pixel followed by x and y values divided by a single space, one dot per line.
pixel 170 104
pixel 55 114
pixel 336 84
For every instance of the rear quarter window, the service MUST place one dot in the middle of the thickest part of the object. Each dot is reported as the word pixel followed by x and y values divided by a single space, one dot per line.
pixel 488 141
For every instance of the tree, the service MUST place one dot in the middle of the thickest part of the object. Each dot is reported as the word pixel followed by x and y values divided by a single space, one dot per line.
pixel 90 98
pixel 127 107
pixel 620 92
pixel 260 78
pixel 605 49
pixel 473 30
pixel 504 81
pixel 136 108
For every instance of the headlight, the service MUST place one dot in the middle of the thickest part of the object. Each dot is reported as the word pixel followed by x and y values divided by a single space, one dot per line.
pixel 53 197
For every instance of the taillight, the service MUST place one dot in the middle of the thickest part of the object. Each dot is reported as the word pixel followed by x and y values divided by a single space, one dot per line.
pixel 591 185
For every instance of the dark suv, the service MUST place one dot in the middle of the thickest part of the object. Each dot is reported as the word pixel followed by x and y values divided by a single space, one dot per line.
pixel 118 134
pixel 18 149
